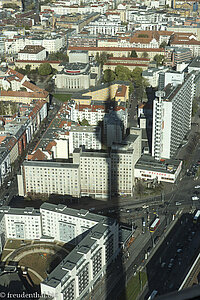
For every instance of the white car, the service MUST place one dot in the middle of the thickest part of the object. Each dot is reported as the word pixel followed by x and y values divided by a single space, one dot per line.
pixel 197 187
pixel 145 206
pixel 195 198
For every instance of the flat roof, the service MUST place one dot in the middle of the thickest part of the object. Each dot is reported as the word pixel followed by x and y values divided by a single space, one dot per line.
pixel 50 164
pixel 147 162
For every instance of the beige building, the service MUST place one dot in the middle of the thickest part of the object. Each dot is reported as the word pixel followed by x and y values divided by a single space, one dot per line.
pixel 120 51
pixel 47 177
pixel 92 173
pixel 36 63
pixel 116 89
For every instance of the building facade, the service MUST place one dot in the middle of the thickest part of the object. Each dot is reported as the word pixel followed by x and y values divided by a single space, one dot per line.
pixel 172 112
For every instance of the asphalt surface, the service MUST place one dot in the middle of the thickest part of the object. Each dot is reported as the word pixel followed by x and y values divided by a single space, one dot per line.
pixel 174 257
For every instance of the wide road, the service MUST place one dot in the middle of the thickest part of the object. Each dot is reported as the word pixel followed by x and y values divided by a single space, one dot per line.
pixel 170 264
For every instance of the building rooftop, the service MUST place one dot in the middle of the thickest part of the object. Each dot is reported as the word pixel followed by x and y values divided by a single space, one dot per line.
pixel 147 162
pixel 32 49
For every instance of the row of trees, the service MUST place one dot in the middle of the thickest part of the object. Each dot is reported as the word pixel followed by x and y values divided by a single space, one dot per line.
pixel 135 78
pixel 123 73
pixel 43 70
pixel 58 56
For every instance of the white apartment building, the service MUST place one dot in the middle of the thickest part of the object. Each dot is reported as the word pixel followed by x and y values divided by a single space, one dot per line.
pixel 105 27
pixel 63 9
pixel 32 53
pixel 5 165
pixel 172 111
pixel 51 43
pixel 95 113
pixel 87 136
pixel 22 223
pixel 96 239
pixel 147 168
pixel 92 113
pixel 47 177
pixel 152 75
pixel 92 173
pixel 170 77
pixel 80 270
pixel 64 224
pixel 123 159
pixel 95 173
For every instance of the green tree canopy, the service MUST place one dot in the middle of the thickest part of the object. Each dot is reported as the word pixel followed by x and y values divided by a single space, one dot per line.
pixel 133 53
pixel 58 56
pixel 102 58
pixel 137 76
pixel 45 69
pixel 10 5
pixel 28 68
pixel 109 75
pixel 158 58
pixel 122 73
pixel 163 44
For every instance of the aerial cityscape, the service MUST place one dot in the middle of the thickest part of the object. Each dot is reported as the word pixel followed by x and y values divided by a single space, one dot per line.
pixel 100 149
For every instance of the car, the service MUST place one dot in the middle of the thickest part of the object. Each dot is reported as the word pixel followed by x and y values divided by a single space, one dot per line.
pixel 178 203
pixel 145 206
pixel 170 266
pixel 163 264
pixel 197 187
pixel 92 209
pixel 194 198
pixel 179 250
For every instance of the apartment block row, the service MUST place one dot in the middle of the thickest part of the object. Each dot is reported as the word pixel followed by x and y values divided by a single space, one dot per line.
pixel 19 122
pixel 92 173
pixel 96 239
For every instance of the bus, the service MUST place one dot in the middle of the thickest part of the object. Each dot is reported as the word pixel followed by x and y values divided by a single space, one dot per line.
pixel 154 225
pixel 196 216
pixel 153 294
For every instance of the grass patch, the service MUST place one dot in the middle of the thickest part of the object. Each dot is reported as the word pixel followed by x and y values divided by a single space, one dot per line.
pixel 4 254
pixel 13 244
pixel 62 97
pixel 134 286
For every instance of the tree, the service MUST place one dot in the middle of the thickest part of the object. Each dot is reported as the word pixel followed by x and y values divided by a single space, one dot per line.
pixel 10 5
pixel 58 56
pixel 144 55
pixel 123 73
pixel 163 44
pixel 137 76
pixel 103 58
pixel 109 75
pixel 30 6
pixel 158 58
pixel 131 88
pixel 133 53
pixel 27 68
pixel 97 57
pixel 45 69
